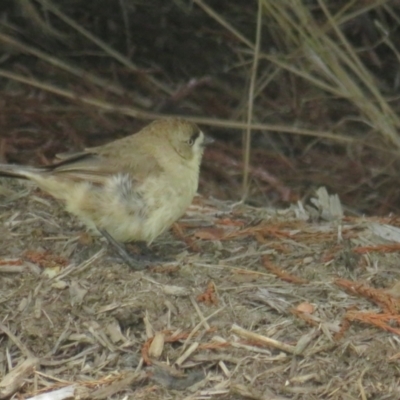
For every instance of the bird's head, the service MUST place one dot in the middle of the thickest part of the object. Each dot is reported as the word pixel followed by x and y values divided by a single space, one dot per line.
pixel 186 138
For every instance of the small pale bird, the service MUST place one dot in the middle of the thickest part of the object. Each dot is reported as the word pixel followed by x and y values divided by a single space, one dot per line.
pixel 131 189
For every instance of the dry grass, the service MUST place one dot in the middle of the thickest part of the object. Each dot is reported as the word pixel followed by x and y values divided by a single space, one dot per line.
pixel 271 305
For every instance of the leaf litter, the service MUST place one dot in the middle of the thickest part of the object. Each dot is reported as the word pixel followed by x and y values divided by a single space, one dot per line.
pixel 255 303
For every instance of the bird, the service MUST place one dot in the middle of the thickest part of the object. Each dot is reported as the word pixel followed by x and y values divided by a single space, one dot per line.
pixel 131 189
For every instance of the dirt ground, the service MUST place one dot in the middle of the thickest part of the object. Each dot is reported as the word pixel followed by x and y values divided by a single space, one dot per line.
pixel 250 303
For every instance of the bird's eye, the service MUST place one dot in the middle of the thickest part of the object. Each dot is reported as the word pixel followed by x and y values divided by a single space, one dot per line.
pixel 193 138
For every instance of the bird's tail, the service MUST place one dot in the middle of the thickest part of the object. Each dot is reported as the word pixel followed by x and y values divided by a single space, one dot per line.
pixel 18 171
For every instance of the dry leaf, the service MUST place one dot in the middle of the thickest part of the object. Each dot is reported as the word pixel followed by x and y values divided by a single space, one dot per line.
pixel 305 308
pixel 210 233
pixel 157 345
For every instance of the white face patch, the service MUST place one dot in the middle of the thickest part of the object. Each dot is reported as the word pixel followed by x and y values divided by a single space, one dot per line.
pixel 200 139
pixel 198 146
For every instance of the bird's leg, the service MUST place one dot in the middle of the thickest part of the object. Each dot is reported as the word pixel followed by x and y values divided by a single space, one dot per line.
pixel 150 255
pixel 120 249
pixel 144 249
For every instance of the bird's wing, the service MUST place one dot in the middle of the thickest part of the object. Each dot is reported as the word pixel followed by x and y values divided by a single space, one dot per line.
pixel 93 166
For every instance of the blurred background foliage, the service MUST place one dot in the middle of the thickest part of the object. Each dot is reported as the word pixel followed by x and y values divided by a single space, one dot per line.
pixel 318 80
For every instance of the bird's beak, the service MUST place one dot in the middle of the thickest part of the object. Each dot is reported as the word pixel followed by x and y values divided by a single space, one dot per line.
pixel 208 140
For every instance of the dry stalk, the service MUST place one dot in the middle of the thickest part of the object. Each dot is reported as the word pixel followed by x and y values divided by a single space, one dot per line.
pixel 100 43
pixel 250 104
pixel 141 114
pixel 337 64
pixel 244 333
